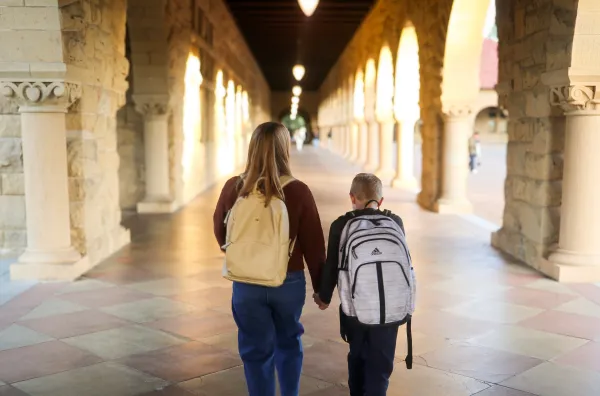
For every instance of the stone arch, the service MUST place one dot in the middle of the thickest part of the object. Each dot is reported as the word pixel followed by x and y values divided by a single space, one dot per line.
pixel 384 96
pixel 370 89
pixel 406 104
pixel 462 55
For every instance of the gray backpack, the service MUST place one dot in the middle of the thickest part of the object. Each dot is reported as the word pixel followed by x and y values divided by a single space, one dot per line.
pixel 376 280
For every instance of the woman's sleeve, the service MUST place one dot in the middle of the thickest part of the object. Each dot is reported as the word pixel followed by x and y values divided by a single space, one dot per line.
pixel 223 206
pixel 311 240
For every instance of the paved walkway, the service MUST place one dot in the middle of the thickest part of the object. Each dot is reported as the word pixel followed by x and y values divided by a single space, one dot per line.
pixel 157 316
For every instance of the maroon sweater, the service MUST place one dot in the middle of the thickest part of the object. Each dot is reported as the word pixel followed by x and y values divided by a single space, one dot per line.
pixel 305 226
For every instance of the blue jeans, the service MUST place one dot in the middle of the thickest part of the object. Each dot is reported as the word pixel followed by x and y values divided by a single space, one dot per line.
pixel 269 334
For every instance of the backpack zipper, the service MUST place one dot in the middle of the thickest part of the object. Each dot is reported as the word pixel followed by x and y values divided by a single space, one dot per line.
pixel 357 219
pixel 371 240
pixel 345 253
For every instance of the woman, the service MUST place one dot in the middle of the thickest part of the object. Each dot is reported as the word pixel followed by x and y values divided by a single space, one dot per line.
pixel 268 319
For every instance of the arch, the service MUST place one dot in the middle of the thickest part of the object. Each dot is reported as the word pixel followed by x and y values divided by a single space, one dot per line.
pixel 191 126
pixel 490 120
pixel 462 55
pixel 301 113
pixel 370 89
pixel 408 76
pixel 384 103
pixel 358 107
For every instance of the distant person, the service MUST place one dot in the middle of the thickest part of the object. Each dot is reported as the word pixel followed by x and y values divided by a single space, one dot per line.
pixel 474 152
pixel 300 137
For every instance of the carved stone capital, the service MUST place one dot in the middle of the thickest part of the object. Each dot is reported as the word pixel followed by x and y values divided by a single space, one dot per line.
pixel 458 110
pixel 41 95
pixel 152 105
pixel 578 98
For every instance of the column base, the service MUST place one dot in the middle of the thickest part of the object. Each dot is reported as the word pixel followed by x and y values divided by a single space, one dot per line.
pixel 566 266
pixel 451 206
pixel 66 271
pixel 386 176
pixel 156 207
pixel 409 183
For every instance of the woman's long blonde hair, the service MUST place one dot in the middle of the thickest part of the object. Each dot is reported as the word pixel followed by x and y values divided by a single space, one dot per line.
pixel 268 160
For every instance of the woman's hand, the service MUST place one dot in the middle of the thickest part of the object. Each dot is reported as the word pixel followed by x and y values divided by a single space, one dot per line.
pixel 321 304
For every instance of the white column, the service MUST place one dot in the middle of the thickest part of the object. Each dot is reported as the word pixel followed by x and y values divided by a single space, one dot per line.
pixel 155 109
pixel 354 132
pixel 457 128
pixel 373 147
pixel 577 258
pixel 363 143
pixel 405 155
pixel 49 254
pixel 385 170
pixel 347 141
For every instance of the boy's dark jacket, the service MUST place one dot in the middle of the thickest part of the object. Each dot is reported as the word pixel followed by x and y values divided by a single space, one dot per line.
pixel 329 274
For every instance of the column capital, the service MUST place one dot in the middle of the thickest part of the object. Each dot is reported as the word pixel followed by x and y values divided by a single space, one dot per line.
pixel 457 110
pixel 152 105
pixel 41 96
pixel 582 98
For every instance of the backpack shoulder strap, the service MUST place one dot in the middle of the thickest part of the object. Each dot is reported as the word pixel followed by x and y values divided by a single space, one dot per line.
pixel 387 213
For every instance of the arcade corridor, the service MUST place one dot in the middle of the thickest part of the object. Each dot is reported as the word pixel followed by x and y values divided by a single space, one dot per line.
pixel 154 319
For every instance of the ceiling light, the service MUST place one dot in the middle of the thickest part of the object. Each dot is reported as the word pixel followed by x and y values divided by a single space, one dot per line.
pixel 297 90
pixel 298 72
pixel 308 6
pixel 295 100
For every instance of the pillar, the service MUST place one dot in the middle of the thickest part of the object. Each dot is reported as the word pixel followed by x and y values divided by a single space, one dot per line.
pixel 373 147
pixel 347 141
pixel 455 171
pixel 577 258
pixel 354 136
pixel 363 143
pixel 155 109
pixel 49 254
pixel 385 170
pixel 405 155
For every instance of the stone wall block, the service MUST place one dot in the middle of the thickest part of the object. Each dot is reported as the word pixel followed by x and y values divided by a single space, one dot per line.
pixel 31 46
pixel 537 103
pixel 77 214
pixel 15 239
pixel 30 18
pixel 13 184
pixel 544 166
pixel 558 53
pixel 538 19
pixel 10 125
pixel 521 130
pixel 515 158
pixel 549 137
pixel 12 212
pixel 11 155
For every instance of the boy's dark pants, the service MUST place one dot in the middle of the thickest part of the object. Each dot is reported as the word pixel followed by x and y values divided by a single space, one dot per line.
pixel 371 358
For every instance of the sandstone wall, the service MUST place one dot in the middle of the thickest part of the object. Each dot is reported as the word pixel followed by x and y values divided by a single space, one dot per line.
pixel 535 37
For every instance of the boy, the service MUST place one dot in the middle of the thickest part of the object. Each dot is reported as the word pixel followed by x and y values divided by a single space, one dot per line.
pixel 369 262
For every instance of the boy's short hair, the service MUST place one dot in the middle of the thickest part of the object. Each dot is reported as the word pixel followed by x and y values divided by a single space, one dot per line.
pixel 367 187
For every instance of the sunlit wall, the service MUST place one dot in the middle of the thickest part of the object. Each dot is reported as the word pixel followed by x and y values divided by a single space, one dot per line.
pixel 359 96
pixel 370 89
pixel 191 156
pixel 406 99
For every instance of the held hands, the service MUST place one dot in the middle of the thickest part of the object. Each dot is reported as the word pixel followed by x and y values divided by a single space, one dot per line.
pixel 321 304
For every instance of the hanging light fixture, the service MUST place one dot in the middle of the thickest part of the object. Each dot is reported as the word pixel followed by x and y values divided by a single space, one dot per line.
pixel 295 100
pixel 298 72
pixel 308 6
pixel 297 90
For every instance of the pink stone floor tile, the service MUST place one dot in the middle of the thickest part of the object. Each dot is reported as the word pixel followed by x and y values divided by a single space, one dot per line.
pixel 74 324
pixel 449 325
pixel 43 359
pixel 566 324
pixel 207 298
pixel 106 298
pixel 591 292
pixel 481 363
pixel 586 357
pixel 533 298
pixel 197 325
pixel 125 276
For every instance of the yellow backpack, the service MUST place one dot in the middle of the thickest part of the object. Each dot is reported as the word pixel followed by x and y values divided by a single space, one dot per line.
pixel 258 245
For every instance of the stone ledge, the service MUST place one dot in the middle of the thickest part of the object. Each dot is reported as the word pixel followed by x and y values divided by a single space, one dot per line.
pixel 570 273
pixel 50 271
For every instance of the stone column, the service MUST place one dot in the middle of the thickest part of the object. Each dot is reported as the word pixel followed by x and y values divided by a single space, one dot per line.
pixel 385 170
pixel 373 147
pixel 577 258
pixel 49 254
pixel 405 155
pixel 457 128
pixel 155 109
pixel 354 132
pixel 363 143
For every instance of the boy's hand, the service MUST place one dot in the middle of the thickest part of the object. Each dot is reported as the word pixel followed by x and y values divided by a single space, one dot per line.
pixel 321 304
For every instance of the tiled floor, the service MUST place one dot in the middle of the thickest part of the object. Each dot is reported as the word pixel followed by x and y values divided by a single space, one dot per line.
pixel 155 318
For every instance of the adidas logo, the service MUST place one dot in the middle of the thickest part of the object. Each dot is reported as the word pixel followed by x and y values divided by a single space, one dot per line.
pixel 376 252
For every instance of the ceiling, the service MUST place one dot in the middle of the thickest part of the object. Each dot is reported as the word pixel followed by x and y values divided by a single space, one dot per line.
pixel 280 36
